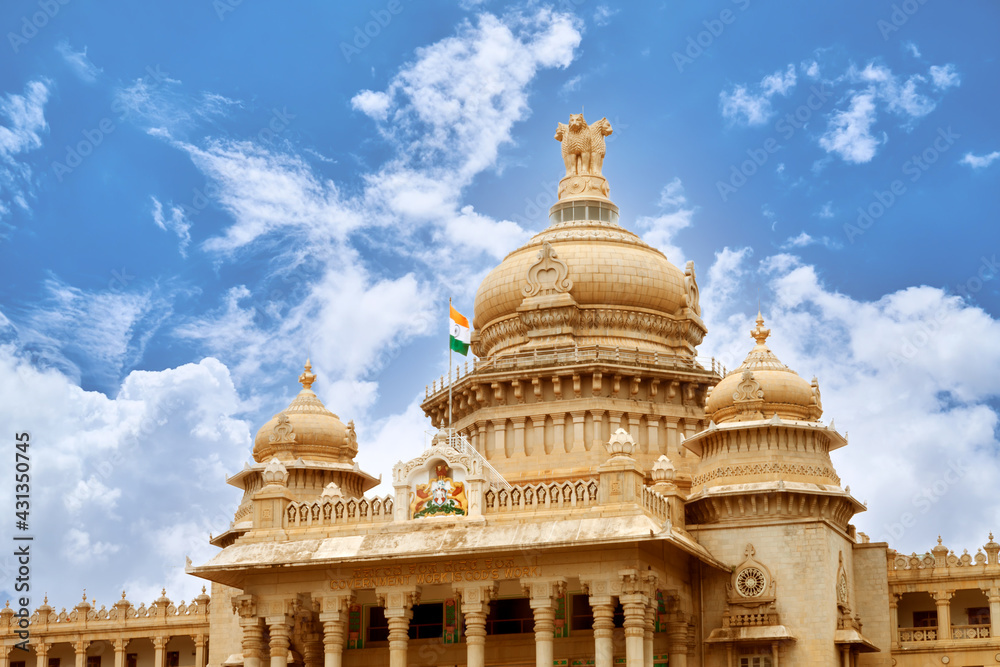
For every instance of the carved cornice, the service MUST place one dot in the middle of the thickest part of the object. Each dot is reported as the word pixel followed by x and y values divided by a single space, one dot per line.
pixel 770 504
pixel 753 469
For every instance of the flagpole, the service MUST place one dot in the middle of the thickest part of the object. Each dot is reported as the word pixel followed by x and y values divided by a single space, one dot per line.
pixel 449 366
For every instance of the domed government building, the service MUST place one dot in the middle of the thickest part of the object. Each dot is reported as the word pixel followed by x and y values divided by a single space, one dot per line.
pixel 596 496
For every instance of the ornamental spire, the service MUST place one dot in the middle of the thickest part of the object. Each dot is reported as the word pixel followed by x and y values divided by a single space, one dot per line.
pixel 307 377
pixel 760 334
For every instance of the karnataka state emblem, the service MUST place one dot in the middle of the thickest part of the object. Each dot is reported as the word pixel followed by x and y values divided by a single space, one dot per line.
pixel 441 495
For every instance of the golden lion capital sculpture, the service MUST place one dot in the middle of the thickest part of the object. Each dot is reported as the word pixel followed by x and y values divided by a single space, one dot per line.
pixel 583 147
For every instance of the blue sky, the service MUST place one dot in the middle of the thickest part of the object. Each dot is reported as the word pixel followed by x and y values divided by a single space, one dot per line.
pixel 195 196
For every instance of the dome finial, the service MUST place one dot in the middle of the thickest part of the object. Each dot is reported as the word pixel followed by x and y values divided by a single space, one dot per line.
pixel 760 334
pixel 307 377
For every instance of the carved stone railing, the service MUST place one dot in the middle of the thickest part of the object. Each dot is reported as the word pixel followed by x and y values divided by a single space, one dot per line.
pixel 337 511
pixel 941 558
pixel 958 632
pixel 730 620
pixel 655 504
pixel 576 355
pixel 970 631
pixel 918 634
pixel 534 497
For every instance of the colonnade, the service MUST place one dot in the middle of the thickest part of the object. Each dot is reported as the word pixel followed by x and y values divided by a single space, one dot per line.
pixel 635 590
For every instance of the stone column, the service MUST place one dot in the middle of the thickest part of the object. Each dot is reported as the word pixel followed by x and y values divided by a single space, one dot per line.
pixel 333 616
pixel 312 650
pixel 603 607
pixel 845 656
pixel 598 439
pixel 559 433
pixel 578 421
pixel 199 650
pixel 673 443
pixel 41 654
pixel 280 629
pixel 942 599
pixel 653 433
pixel 677 637
pixel 252 644
pixel 398 604
pixel 120 646
pixel 500 437
pixel 774 654
pixel 634 605
pixel 543 594
pixel 80 648
pixel 615 419
pixel 5 655
pixel 159 650
pixel 993 595
pixel 634 420
pixel 475 609
pixel 894 619
pixel 519 447
pixel 647 639
pixel 538 439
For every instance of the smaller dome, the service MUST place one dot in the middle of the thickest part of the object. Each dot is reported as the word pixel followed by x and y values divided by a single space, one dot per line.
pixel 763 387
pixel 306 429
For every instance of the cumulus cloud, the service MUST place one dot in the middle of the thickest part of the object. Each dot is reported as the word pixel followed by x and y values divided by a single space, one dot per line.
pixel 944 76
pixel 445 115
pixel 979 161
pixel 897 373
pixel 675 214
pixel 850 132
pixel 108 458
pixel 751 105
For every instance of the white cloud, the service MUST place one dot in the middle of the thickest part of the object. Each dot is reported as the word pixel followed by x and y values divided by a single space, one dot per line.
pixel 157 103
pixel 571 85
pixel 675 214
pixel 849 132
pixel 111 470
pixel 804 239
pixel 82 551
pixel 826 212
pixel 22 123
pixel 979 161
pixel 91 491
pixel 811 69
pixel 912 49
pixel 177 223
pixel 944 76
pixel 371 103
pixel 742 105
pixel 78 61
pixel 603 14
pixel 903 373
pixel 97 334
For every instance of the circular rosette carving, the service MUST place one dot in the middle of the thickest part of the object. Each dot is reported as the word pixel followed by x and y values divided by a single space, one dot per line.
pixel 751 582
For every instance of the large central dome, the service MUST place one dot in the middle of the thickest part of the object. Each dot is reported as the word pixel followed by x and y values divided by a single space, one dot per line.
pixel 587 281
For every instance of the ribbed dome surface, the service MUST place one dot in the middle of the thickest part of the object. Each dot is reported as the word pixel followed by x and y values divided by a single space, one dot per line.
pixel 306 429
pixel 763 386
pixel 616 290
pixel 608 264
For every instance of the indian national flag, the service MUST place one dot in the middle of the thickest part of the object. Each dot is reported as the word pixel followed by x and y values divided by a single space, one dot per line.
pixel 459 328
